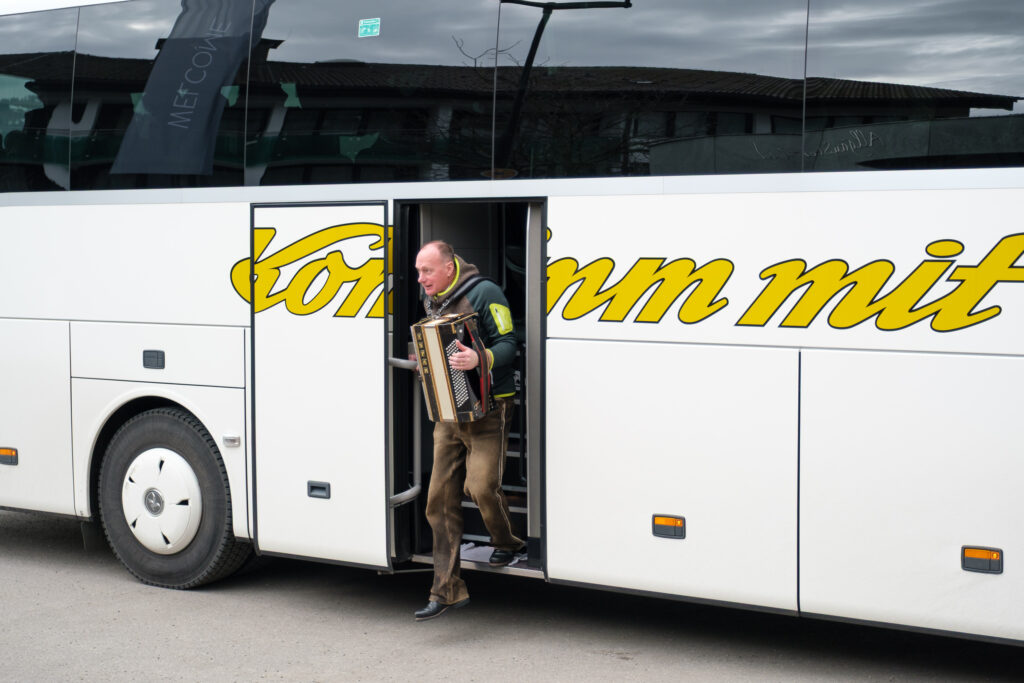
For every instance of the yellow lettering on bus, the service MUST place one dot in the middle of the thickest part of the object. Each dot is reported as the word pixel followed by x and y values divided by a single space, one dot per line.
pixel 857 294
pixel 669 282
pixel 299 295
pixel 902 306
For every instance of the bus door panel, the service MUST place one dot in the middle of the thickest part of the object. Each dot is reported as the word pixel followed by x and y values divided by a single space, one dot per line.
pixel 318 362
pixel 701 440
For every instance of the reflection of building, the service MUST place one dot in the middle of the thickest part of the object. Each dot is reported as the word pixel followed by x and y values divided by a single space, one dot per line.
pixel 349 121
pixel 854 125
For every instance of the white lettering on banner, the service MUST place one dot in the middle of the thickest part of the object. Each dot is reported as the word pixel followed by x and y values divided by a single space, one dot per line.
pixel 185 100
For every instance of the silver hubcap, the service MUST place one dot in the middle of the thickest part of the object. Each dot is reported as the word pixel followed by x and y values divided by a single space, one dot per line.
pixel 162 502
pixel 154 502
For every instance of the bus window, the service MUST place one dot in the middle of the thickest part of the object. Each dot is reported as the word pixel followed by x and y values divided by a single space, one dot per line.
pixel 660 87
pixel 370 92
pixel 36 57
pixel 905 86
pixel 157 100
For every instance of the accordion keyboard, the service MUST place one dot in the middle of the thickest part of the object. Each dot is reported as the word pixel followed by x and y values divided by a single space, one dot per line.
pixel 459 386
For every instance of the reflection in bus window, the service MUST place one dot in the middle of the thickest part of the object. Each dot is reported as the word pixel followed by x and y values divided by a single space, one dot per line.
pixel 157 95
pixel 315 91
pixel 914 85
pixel 36 56
pixel 660 87
pixel 408 97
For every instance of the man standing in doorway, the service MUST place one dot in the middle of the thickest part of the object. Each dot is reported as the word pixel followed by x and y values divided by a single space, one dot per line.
pixel 468 456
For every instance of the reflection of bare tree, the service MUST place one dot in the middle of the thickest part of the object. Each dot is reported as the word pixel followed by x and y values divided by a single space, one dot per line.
pixel 610 136
pixel 587 121
pixel 489 52
pixel 505 142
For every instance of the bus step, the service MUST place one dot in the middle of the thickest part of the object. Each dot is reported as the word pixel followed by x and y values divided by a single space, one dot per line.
pixel 475 554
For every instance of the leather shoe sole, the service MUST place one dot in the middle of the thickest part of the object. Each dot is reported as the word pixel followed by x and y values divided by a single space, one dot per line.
pixel 435 609
pixel 500 558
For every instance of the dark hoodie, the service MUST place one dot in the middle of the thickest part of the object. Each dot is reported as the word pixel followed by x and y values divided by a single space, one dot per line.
pixel 488 302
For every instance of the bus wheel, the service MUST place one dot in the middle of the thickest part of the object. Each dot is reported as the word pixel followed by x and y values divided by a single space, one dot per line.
pixel 165 504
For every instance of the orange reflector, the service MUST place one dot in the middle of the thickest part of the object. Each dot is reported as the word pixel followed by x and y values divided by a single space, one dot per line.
pixel 9 451
pixel 975 558
pixel 667 526
pixel 981 554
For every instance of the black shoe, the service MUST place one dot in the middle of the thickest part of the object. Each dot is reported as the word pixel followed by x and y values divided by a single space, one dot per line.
pixel 436 609
pixel 500 558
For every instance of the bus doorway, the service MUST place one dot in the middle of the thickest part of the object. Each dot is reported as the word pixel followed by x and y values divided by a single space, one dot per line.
pixel 505 240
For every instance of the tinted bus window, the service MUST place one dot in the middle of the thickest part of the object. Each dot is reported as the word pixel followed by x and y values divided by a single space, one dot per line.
pixel 371 90
pixel 661 87
pixel 915 85
pixel 36 57
pixel 158 101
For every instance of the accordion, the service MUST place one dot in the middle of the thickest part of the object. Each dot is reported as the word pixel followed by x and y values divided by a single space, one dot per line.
pixel 451 395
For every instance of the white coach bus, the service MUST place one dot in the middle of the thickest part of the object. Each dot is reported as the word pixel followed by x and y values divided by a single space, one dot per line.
pixel 764 260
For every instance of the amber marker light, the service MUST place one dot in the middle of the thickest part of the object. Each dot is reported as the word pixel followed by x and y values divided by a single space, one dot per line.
pixel 8 456
pixel 980 559
pixel 668 526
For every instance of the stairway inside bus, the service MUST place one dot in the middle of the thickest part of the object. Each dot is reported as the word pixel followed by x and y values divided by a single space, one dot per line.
pixel 492 236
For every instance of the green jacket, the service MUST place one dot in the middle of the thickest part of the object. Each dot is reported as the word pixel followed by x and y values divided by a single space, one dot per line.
pixel 495 320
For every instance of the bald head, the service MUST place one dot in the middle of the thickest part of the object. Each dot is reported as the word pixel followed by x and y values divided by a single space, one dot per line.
pixel 435 264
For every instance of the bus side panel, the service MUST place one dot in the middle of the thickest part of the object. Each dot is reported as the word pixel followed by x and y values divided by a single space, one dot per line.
pixel 706 433
pixel 35 416
pixel 905 458
pixel 160 263
pixel 726 268
pixel 206 356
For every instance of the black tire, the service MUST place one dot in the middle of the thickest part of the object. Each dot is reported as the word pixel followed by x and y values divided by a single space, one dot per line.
pixel 212 552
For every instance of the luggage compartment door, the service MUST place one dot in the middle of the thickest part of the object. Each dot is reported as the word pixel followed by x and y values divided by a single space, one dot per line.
pixel 318 389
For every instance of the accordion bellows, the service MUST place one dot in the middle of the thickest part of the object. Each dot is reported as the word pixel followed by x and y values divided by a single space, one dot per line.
pixel 451 395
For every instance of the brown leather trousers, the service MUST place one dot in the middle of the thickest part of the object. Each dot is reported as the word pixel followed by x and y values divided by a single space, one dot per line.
pixel 468 457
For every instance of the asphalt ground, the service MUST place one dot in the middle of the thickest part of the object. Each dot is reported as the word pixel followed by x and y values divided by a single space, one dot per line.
pixel 71 615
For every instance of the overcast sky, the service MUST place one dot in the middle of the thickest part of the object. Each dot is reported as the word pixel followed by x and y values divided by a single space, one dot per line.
pixel 973 45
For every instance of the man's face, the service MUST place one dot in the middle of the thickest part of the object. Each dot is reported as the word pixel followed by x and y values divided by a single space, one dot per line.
pixel 434 274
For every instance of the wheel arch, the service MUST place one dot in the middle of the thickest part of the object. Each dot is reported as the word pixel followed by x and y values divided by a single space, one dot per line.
pixel 100 408
pixel 115 421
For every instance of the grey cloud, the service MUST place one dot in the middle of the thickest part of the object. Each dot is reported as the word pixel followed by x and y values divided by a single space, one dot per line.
pixel 942 43
pixel 50 32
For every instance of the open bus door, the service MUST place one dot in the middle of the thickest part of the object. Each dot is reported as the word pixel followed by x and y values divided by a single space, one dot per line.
pixel 318 386
pixel 504 238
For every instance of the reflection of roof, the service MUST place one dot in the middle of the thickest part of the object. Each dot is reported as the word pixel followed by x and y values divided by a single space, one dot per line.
pixel 471 81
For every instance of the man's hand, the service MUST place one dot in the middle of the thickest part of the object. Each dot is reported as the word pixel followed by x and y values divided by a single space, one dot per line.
pixel 463 359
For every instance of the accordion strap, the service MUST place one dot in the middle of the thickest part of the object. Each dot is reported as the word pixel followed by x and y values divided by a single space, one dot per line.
pixel 459 292
pixel 466 286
